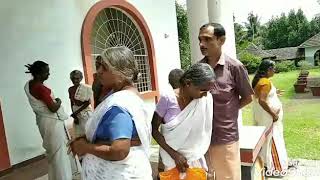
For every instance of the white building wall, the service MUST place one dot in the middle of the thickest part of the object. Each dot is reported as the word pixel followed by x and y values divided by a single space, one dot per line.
pixel 50 30
pixel 309 54
pixel 161 19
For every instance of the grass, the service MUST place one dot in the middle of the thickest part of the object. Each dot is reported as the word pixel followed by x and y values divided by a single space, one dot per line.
pixel 301 118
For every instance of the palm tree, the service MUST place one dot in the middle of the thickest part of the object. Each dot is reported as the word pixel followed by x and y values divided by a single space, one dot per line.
pixel 253 26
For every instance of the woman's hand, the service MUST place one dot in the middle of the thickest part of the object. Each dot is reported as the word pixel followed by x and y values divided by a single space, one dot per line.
pixel 280 92
pixel 75 118
pixel 58 100
pixel 275 116
pixel 181 162
pixel 79 146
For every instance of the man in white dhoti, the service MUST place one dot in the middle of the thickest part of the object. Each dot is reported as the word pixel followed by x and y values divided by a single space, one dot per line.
pixel 50 120
pixel 80 96
pixel 267 111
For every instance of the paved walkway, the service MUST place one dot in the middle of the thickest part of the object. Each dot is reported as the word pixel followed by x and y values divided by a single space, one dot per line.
pixel 306 170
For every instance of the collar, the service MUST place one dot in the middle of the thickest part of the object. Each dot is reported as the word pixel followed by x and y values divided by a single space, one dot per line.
pixel 221 61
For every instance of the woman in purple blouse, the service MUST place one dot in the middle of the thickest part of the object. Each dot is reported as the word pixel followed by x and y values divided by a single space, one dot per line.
pixel 185 116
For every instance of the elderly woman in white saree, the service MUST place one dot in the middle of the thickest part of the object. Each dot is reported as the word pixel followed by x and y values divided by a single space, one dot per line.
pixel 185 115
pixel 50 120
pixel 118 134
pixel 267 111
pixel 80 96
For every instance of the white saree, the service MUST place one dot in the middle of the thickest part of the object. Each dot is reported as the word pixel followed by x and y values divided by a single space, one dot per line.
pixel 51 127
pixel 190 133
pixel 136 165
pixel 273 152
pixel 83 93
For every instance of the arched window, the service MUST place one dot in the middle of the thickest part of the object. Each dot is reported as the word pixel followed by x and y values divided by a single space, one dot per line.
pixel 111 23
pixel 317 58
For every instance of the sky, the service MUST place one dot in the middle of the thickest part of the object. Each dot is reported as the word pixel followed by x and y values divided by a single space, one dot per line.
pixel 265 9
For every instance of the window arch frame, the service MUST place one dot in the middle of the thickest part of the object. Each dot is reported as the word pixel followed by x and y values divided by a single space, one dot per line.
pixel 86 40
pixel 5 163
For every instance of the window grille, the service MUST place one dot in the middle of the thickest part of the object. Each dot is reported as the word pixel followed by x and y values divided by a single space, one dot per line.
pixel 114 27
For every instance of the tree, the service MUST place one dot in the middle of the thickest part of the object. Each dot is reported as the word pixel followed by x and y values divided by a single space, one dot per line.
pixel 249 33
pixel 298 28
pixel 252 26
pixel 240 37
pixel 275 35
pixel 287 31
pixel 250 61
pixel 183 34
pixel 315 25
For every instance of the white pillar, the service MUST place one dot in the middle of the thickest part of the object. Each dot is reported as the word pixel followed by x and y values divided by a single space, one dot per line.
pixel 214 11
pixel 221 11
pixel 197 11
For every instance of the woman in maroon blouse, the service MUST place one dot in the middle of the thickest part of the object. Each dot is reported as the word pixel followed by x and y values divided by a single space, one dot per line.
pixel 50 120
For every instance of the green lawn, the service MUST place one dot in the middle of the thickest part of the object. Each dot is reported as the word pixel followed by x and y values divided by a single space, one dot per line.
pixel 301 118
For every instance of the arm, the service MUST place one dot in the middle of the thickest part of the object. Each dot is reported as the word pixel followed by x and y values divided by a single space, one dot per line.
pixel 117 127
pixel 245 101
pixel 54 106
pixel 84 105
pixel 71 103
pixel 243 86
pixel 158 137
pixel 44 95
pixel 180 161
pixel 117 151
pixel 263 102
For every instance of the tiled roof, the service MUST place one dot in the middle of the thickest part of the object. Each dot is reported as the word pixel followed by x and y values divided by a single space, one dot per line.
pixel 313 41
pixel 284 53
pixel 257 51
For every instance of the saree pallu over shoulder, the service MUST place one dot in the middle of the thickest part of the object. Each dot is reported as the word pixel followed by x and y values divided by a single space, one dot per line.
pixel 136 165
pixel 50 124
pixel 51 127
pixel 83 93
pixel 190 132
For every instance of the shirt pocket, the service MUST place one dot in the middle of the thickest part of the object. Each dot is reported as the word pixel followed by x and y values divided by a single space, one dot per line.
pixel 222 91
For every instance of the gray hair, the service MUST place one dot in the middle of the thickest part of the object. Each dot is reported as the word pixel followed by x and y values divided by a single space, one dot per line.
pixel 121 59
pixel 174 77
pixel 198 74
pixel 76 72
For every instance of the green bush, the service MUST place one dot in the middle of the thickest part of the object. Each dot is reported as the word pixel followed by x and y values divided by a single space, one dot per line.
pixel 304 65
pixel 183 33
pixel 285 66
pixel 250 61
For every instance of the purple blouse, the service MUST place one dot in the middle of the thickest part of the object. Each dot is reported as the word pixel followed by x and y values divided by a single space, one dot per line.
pixel 168 107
